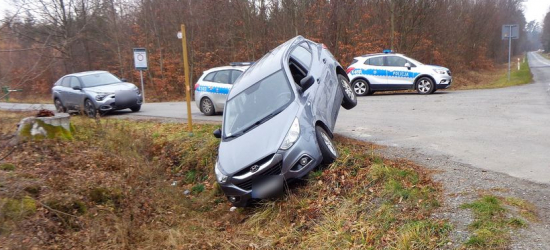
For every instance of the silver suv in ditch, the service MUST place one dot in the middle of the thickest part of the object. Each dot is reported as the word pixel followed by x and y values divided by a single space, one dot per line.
pixel 95 91
pixel 278 120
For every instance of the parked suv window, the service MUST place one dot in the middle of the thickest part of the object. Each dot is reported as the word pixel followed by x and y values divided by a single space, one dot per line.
pixel 222 76
pixel 396 61
pixel 66 82
pixel 375 61
pixel 235 74
pixel 74 82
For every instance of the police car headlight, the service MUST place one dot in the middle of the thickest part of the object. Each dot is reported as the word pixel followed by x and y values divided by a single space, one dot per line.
pixel 440 71
pixel 219 175
pixel 292 135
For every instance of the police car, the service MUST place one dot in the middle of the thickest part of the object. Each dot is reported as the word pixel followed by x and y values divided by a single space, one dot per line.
pixel 213 86
pixel 389 71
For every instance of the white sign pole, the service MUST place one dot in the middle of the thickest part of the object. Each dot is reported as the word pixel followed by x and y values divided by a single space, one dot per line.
pixel 142 89
pixel 509 51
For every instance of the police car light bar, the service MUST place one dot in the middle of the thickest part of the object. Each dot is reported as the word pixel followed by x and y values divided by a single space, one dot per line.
pixel 241 63
pixel 387 51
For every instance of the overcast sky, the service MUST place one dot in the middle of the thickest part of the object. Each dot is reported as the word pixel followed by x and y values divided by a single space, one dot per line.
pixel 534 9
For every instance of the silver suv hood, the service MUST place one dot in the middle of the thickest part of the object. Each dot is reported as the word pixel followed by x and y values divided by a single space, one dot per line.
pixel 111 88
pixel 258 143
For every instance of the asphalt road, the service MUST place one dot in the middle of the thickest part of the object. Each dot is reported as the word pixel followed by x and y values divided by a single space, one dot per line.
pixel 504 130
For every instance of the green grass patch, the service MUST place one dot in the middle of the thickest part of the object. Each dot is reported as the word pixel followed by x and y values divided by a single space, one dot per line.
pixel 493 222
pixel 15 209
pixel 7 167
pixel 517 77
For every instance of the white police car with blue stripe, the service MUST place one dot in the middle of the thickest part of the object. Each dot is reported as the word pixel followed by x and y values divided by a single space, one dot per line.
pixel 389 71
pixel 213 86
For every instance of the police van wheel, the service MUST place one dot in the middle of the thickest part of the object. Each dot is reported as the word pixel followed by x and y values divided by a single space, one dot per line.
pixel 207 107
pixel 425 86
pixel 350 99
pixel 361 87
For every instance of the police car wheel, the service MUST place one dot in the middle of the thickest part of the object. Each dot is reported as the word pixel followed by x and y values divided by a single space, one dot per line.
pixel 350 99
pixel 425 86
pixel 361 87
pixel 207 107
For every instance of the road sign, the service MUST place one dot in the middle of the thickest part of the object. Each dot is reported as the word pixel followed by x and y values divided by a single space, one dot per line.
pixel 510 31
pixel 140 58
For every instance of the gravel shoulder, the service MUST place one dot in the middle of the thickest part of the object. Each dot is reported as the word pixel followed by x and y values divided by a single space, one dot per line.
pixel 463 183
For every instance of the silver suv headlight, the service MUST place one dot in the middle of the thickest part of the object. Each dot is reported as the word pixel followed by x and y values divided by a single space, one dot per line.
pixel 219 175
pixel 440 71
pixel 101 95
pixel 292 135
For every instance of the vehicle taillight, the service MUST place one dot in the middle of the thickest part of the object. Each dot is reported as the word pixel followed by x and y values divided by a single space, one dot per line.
pixel 349 70
pixel 196 86
pixel 324 46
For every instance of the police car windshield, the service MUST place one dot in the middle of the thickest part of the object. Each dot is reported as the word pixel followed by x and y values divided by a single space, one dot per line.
pixel 414 61
pixel 257 104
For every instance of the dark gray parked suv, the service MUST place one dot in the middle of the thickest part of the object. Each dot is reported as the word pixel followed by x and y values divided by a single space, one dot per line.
pixel 94 91
pixel 279 118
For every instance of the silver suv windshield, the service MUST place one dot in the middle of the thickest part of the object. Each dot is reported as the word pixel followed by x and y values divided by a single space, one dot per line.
pixel 257 104
pixel 98 79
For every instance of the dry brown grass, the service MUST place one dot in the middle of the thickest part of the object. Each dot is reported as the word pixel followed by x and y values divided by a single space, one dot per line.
pixel 111 188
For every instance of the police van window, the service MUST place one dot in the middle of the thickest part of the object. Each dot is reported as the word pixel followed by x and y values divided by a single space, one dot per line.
pixel 74 82
pixel 375 61
pixel 396 61
pixel 234 75
pixel 210 77
pixel 222 76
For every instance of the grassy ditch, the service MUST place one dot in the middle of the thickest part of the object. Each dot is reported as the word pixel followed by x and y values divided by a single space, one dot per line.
pixel 126 184
pixel 497 78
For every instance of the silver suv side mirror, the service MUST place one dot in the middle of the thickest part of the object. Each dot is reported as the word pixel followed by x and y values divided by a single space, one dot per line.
pixel 306 82
pixel 218 133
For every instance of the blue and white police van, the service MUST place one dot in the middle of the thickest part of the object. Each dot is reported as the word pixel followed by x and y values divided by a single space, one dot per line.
pixel 213 86
pixel 390 71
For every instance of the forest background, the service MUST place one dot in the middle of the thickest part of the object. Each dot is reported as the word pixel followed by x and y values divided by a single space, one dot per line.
pixel 43 40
